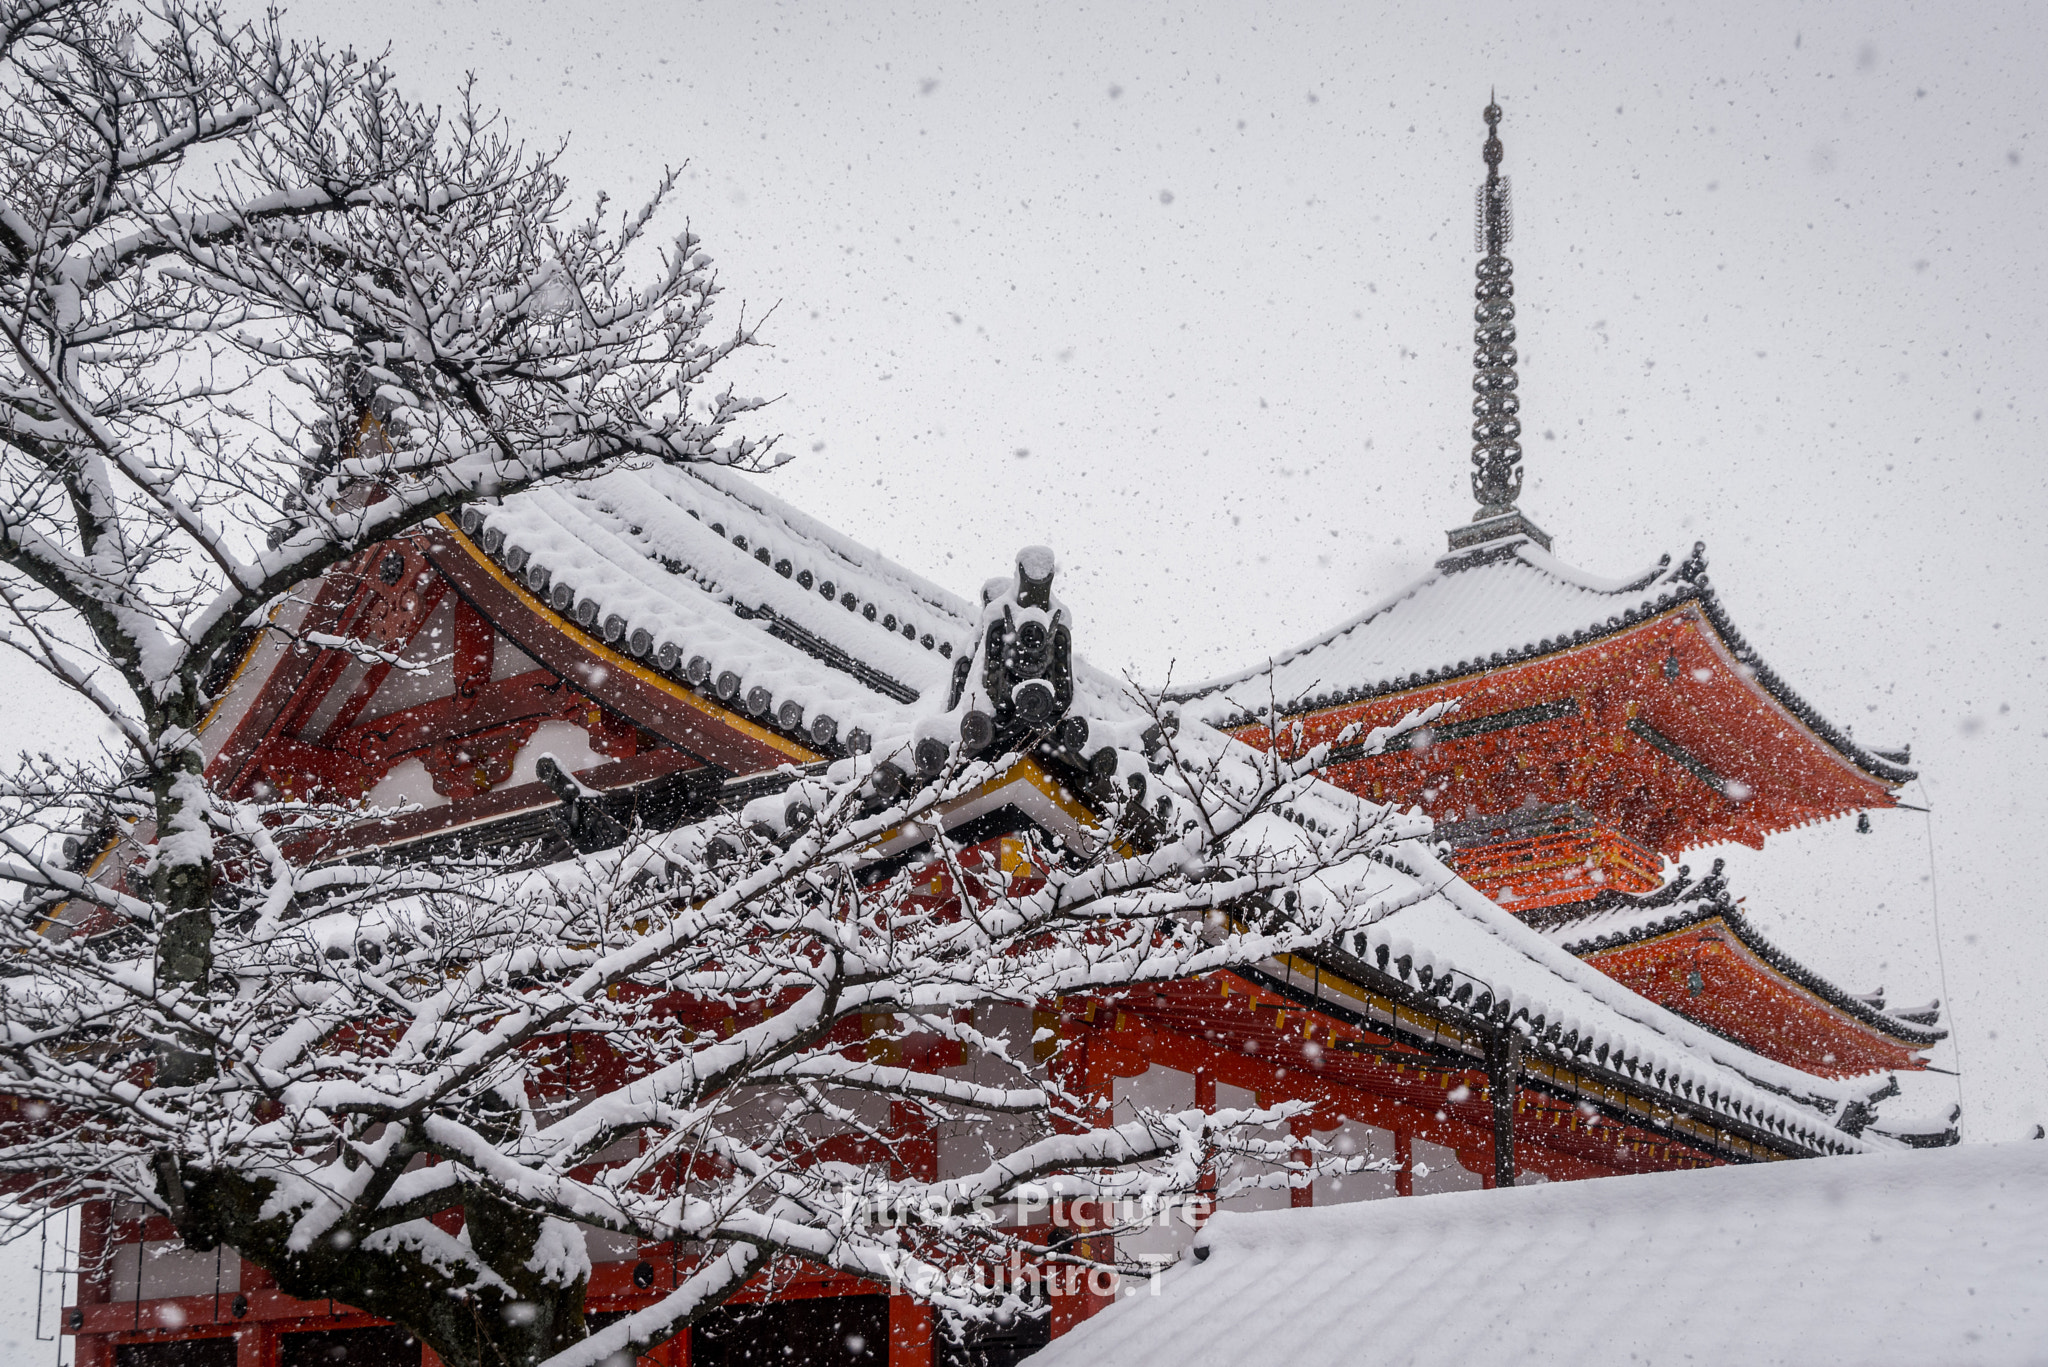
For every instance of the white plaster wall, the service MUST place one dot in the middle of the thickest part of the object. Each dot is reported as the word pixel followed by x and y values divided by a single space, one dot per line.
pixel 171 1269
pixel 1444 1172
pixel 1357 1137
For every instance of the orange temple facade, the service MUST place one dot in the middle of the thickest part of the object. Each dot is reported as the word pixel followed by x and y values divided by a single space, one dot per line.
pixel 1563 781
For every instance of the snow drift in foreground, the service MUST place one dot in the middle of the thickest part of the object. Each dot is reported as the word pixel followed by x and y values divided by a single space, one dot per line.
pixel 1935 1256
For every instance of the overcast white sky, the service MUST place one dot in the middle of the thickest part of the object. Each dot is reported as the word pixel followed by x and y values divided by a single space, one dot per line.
pixel 1184 291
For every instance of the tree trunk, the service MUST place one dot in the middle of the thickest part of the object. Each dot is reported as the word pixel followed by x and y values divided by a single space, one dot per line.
pixel 469 1325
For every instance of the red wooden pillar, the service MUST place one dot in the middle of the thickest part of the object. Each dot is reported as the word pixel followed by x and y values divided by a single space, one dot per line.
pixel 1084 1071
pixel 1078 1067
pixel 95 1241
pixel 95 1277
pixel 910 1320
pixel 910 1332
pixel 1301 1127
pixel 1404 1156
pixel 917 1142
pixel 256 1346
pixel 1076 1292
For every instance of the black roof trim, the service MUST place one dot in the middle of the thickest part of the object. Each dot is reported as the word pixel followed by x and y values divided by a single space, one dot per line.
pixel 1707 899
pixel 1542 1039
pixel 1691 586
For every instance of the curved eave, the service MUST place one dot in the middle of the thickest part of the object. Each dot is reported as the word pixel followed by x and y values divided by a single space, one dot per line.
pixel 1889 773
pixel 1890 1027
pixel 727 591
pixel 637 689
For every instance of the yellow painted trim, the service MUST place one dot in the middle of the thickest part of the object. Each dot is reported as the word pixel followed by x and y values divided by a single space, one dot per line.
pixel 1562 1076
pixel 92 870
pixel 1027 770
pixel 615 660
pixel 1033 773
pixel 241 667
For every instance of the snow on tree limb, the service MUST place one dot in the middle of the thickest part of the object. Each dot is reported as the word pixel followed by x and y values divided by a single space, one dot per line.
pixel 718 1037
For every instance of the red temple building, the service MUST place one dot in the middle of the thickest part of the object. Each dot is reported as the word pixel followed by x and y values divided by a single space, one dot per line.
pixel 1601 727
pixel 673 638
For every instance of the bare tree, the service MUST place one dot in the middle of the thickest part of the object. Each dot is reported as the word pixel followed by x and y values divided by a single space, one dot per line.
pixel 260 314
pixel 717 1038
pixel 257 313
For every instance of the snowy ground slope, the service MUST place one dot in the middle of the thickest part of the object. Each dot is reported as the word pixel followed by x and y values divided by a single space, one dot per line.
pixel 1938 1256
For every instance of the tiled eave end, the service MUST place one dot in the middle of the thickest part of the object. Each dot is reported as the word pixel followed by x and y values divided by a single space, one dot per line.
pixel 720 682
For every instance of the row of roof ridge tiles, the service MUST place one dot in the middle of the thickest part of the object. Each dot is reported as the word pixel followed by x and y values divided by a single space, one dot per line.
pixel 870 609
pixel 504 533
pixel 1675 591
pixel 589 610
pixel 1681 899
pixel 1658 1058
pixel 1514 553
pixel 585 605
pixel 1625 923
pixel 1642 1052
pixel 1688 582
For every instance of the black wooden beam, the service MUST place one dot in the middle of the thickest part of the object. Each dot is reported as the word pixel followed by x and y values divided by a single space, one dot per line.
pixel 1503 1073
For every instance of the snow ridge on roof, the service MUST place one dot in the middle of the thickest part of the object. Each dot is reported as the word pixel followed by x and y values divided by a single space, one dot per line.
pixel 1471 612
pixel 705 576
pixel 1582 1012
pixel 1483 609
pixel 1457 939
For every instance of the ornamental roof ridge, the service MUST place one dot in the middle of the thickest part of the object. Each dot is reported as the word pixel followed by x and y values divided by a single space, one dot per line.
pixel 1653 589
pixel 1462 947
pixel 700 575
pixel 706 577
pixel 609 547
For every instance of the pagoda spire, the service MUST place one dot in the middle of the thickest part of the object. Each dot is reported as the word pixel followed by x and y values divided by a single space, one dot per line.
pixel 1496 454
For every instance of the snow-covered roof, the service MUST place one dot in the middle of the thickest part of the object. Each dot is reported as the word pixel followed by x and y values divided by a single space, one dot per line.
pixel 1481 609
pixel 1459 944
pixel 1617 919
pixel 1925 1257
pixel 708 577
pixel 701 573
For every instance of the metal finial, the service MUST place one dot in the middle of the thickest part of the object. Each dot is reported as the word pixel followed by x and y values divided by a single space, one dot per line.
pixel 1496 455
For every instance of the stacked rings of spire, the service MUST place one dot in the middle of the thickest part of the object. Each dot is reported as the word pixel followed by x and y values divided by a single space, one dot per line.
pixel 1496 454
